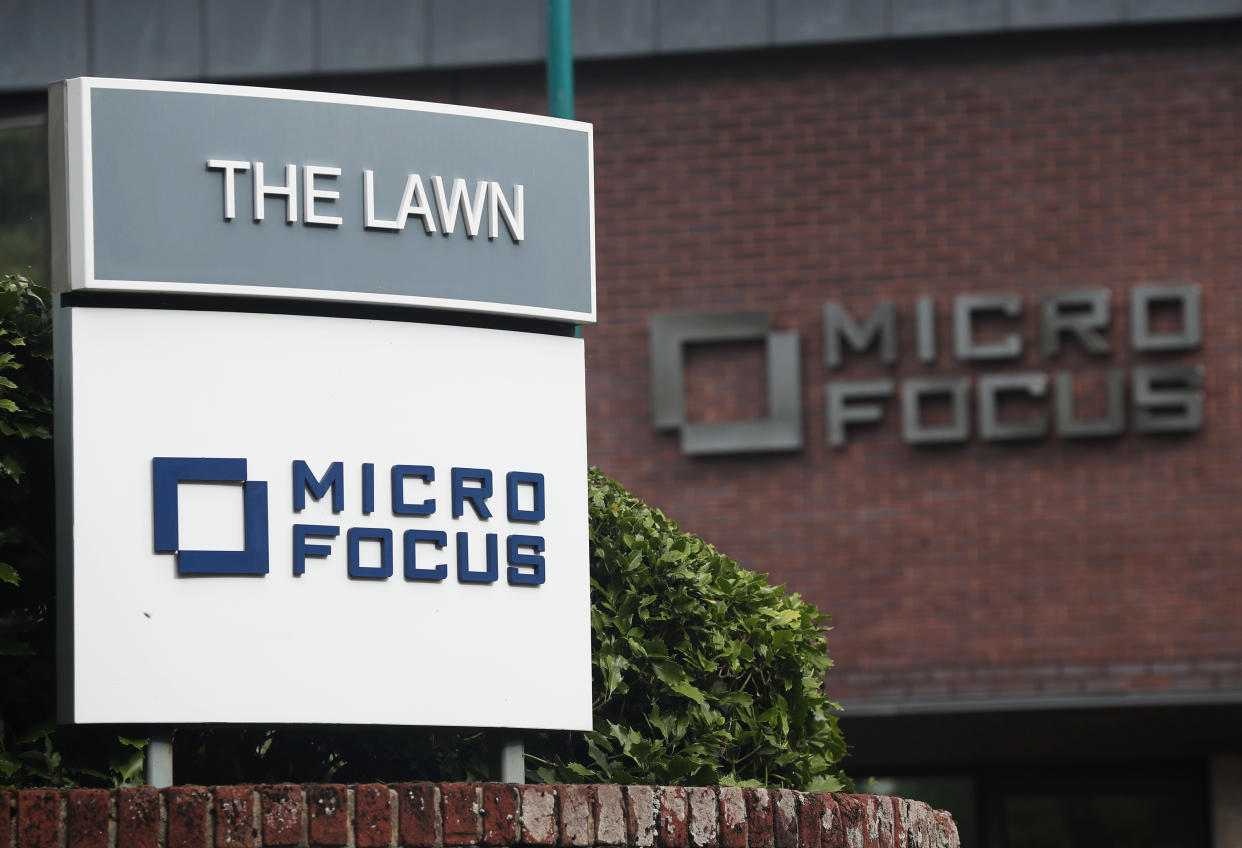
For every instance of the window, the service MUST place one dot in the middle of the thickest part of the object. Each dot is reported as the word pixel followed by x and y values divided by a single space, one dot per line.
pixel 23 198
pixel 1143 807
pixel 1157 805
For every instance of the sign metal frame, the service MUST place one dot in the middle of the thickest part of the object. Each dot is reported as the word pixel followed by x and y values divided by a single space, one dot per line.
pixel 212 404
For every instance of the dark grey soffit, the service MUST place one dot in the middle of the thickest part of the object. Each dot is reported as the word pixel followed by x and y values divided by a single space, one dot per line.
pixel 41 42
pixel 1023 702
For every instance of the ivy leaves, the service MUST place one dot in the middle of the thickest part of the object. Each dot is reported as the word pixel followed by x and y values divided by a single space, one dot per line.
pixel 27 754
pixel 704 673
pixel 25 416
pixel 25 342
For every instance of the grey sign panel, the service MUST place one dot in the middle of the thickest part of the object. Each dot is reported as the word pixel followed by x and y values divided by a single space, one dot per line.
pixel 358 198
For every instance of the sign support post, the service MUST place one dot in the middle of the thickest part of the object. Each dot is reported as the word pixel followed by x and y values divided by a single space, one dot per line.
pixel 157 766
pixel 560 62
pixel 512 758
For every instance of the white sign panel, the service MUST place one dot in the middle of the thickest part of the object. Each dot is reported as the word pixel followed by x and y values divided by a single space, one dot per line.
pixel 282 518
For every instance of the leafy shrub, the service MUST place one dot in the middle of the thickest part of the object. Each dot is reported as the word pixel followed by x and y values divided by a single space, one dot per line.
pixel 704 673
pixel 27 578
pixel 32 751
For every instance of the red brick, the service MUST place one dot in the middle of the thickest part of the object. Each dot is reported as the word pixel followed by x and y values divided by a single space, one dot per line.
pixel 734 832
pixel 569 816
pixel 372 815
pixel 810 819
pixel 500 819
pixel 870 831
pixel 234 816
pixel 88 816
pixel 327 810
pixel 538 815
pixel 852 812
pixel 187 816
pixel 417 804
pixel 880 810
pixel 642 804
pixel 6 816
pixel 282 812
pixel 138 817
pixel 945 829
pixel 920 824
pixel 38 818
pixel 704 823
pixel 903 824
pixel 901 838
pixel 758 818
pixel 575 826
pixel 460 805
pixel 872 836
pixel 833 833
pixel 671 827
pixel 608 802
pixel 785 818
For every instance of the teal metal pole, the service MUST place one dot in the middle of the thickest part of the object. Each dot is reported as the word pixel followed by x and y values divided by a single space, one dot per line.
pixel 561 67
pixel 560 59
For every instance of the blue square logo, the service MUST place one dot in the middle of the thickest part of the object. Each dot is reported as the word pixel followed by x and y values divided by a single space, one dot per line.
pixel 167 473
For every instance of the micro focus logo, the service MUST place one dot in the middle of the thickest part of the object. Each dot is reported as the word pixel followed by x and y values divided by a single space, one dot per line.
pixel 415 533
pixel 1134 386
pixel 781 430
pixel 168 473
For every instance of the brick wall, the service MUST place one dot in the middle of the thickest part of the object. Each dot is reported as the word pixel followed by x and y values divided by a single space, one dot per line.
pixel 782 179
pixel 425 815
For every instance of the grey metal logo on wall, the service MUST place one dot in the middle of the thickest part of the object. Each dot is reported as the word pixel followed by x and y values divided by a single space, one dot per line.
pixel 781 430
pixel 1164 398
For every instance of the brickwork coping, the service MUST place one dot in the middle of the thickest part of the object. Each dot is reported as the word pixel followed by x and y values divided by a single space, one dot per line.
pixel 430 815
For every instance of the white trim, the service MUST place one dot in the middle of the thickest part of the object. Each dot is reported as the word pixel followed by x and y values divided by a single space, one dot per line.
pixel 91 83
pixel 591 214
pixel 259 291
pixel 80 183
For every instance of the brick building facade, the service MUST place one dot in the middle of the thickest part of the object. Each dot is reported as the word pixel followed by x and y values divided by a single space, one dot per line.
pixel 1039 602
pixel 974 568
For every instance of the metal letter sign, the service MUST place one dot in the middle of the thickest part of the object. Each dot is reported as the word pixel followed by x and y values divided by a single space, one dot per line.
pixel 276 517
pixel 1165 399
pixel 780 430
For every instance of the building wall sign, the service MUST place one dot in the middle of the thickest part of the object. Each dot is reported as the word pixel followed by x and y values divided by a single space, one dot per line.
pixel 271 517
pixel 237 190
pixel 1154 396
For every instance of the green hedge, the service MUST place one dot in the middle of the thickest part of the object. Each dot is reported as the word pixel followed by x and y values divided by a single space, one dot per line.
pixel 26 575
pixel 704 672
pixel 32 751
